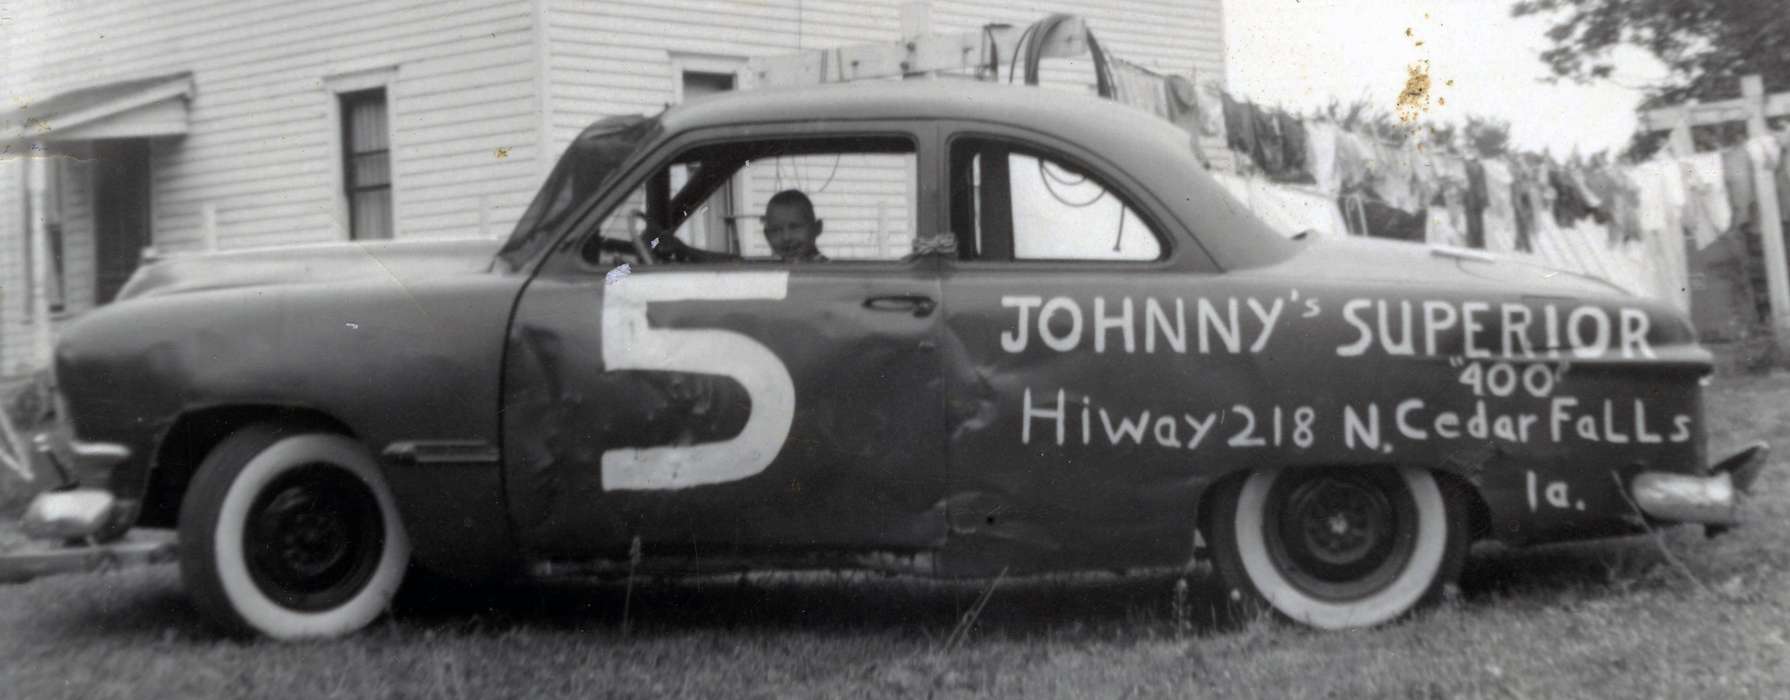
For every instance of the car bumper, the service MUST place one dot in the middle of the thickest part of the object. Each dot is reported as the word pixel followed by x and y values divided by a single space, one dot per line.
pixel 74 511
pixel 1717 499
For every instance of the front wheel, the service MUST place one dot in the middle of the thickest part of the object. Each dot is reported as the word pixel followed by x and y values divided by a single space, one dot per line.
pixel 1337 548
pixel 291 535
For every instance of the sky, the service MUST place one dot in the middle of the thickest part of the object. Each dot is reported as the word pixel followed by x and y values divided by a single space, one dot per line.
pixel 1300 54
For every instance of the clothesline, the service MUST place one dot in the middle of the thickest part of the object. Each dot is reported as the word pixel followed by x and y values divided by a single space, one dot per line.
pixel 1626 223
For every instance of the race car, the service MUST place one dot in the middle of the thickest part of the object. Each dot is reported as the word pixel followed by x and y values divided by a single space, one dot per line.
pixel 993 329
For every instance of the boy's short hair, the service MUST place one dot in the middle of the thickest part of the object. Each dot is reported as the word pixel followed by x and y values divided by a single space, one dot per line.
pixel 792 198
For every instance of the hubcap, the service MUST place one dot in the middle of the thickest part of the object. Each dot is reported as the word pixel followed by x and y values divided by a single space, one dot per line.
pixel 1340 535
pixel 313 537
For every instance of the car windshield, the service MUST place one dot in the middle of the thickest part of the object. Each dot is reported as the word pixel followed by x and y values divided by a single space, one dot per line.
pixel 588 163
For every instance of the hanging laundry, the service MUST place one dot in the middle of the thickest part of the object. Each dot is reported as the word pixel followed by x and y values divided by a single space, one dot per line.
pixel 1707 212
pixel 1320 156
pixel 1395 176
pixel 1448 176
pixel 1239 127
pixel 1355 160
pixel 1435 173
pixel 1618 196
pixel 1569 200
pixel 1182 101
pixel 1660 199
pixel 1767 153
pixel 1293 137
pixel 1500 206
pixel 1439 228
pixel 1600 209
pixel 1737 176
pixel 1212 110
pixel 1474 200
pixel 1270 144
pixel 1526 203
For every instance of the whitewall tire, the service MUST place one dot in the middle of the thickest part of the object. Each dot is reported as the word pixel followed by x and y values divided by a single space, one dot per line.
pixel 291 535
pixel 1337 548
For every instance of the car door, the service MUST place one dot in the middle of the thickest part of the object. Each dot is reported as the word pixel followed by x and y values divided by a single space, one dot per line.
pixel 1088 350
pixel 719 407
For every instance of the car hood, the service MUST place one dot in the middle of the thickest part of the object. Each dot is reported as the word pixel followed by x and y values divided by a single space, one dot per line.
pixel 1398 263
pixel 331 263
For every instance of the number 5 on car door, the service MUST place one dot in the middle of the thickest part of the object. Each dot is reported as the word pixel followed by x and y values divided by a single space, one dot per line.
pixel 630 342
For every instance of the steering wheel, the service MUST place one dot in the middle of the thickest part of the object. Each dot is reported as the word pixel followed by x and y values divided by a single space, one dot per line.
pixel 636 234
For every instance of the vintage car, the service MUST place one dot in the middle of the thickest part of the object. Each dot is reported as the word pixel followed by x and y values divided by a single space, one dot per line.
pixel 1037 337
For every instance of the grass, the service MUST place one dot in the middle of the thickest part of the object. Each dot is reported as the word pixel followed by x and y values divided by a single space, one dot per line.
pixel 1605 619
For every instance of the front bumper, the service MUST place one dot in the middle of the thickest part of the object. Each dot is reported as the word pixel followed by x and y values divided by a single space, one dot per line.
pixel 75 511
pixel 1717 499
pixel 74 514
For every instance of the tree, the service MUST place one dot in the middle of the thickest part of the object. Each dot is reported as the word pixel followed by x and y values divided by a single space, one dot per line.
pixel 1708 44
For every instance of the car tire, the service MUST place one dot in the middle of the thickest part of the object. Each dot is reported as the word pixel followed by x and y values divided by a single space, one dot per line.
pixel 1337 548
pixel 291 535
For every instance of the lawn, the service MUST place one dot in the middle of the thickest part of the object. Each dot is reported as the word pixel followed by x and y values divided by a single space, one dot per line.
pixel 1677 616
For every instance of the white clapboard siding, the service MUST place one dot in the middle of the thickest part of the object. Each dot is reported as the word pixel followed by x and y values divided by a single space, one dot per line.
pixel 617 57
pixel 263 149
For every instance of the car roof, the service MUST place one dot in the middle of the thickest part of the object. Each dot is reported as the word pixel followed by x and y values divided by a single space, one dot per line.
pixel 1053 111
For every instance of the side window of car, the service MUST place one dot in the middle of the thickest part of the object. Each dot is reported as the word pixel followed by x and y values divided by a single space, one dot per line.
pixel 1010 203
pixel 769 200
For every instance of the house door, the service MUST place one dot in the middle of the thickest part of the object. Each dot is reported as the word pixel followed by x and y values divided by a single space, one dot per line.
pixel 120 212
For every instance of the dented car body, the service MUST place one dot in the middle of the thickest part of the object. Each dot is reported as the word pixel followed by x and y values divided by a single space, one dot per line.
pixel 551 404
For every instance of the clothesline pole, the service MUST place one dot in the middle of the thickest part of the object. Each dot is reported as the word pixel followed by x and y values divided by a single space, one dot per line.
pixel 1753 107
pixel 1771 227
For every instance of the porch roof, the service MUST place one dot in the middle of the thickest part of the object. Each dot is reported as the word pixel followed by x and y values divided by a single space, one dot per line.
pixel 141 108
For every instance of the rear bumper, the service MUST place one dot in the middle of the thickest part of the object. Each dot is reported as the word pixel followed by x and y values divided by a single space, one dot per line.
pixel 1717 499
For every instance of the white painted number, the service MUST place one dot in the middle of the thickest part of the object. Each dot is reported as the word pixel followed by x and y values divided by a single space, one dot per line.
pixel 630 343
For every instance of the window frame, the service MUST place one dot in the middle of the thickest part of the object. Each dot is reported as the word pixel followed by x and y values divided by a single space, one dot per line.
pixel 565 256
pixel 347 102
pixel 333 87
pixel 1177 252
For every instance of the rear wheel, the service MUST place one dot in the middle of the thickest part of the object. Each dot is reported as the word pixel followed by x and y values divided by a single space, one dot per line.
pixel 1337 548
pixel 291 535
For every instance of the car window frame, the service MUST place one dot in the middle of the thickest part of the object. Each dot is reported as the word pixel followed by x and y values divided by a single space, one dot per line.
pixel 1179 253
pixel 565 257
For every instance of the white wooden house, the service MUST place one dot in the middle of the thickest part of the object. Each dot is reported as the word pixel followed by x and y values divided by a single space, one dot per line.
pixel 192 125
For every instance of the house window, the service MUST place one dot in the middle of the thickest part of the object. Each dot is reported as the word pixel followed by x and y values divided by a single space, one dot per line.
pixel 367 164
pixel 699 83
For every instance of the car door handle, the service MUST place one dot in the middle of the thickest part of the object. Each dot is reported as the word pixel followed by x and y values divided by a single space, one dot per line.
pixel 919 306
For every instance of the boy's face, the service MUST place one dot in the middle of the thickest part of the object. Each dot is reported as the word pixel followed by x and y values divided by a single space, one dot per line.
pixel 790 230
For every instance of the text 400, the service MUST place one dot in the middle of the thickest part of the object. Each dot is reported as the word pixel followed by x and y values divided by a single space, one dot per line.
pixel 1502 379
